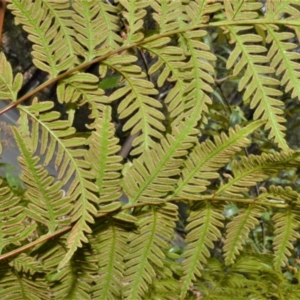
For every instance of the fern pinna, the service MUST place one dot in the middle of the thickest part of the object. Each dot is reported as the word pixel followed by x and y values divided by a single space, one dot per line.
pixel 187 212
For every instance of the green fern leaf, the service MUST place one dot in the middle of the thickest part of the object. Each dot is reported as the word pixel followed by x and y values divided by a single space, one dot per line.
pixel 283 60
pixel 133 13
pixel 166 14
pixel 9 86
pixel 253 169
pixel 138 103
pixel 46 204
pixel 237 231
pixel 13 225
pixel 155 230
pixel 109 243
pixel 105 161
pixel 152 175
pixel 256 78
pixel 20 286
pixel 50 53
pixel 207 158
pixel 96 27
pixel 203 228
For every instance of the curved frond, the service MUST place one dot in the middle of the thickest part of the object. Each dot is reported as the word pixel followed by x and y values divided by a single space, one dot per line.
pixel 237 231
pixel 13 225
pixel 50 53
pixel 208 157
pixel 152 175
pixel 258 81
pixel 78 89
pixel 26 264
pixel 203 228
pixel 143 110
pixel 45 196
pixel 69 159
pixel 104 159
pixel 96 28
pixel 256 168
pixel 146 248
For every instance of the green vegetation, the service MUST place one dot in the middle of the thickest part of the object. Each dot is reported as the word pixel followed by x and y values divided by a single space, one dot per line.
pixel 188 104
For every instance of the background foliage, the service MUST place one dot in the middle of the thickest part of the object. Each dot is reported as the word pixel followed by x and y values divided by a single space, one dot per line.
pixel 159 156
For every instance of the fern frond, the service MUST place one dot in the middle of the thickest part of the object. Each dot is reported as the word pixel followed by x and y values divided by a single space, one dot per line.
pixel 253 169
pixel 146 248
pixel 109 244
pixel 60 12
pixel 104 159
pixel 257 81
pixel 286 223
pixel 241 10
pixel 284 60
pixel 46 203
pixel 96 27
pixel 197 70
pixel 143 110
pixel 72 281
pixel 197 11
pixel 203 228
pixel 13 225
pixel 69 159
pixel 26 264
pixel 166 14
pixel 50 52
pixel 9 86
pixel 237 231
pixel 170 60
pixel 20 286
pixel 133 13
pixel 78 89
pixel 152 175
pixel 207 158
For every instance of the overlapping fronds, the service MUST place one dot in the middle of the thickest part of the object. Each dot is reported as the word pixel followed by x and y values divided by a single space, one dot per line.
pixel 208 157
pixel 109 244
pixel 13 226
pixel 69 159
pixel 149 69
pixel 79 89
pixel 257 78
pixel 256 168
pixel 138 104
pixel 147 247
pixel 168 65
pixel 74 280
pixel 20 286
pixel 92 20
pixel 46 202
pixel 203 228
pixel 48 33
pixel 152 175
